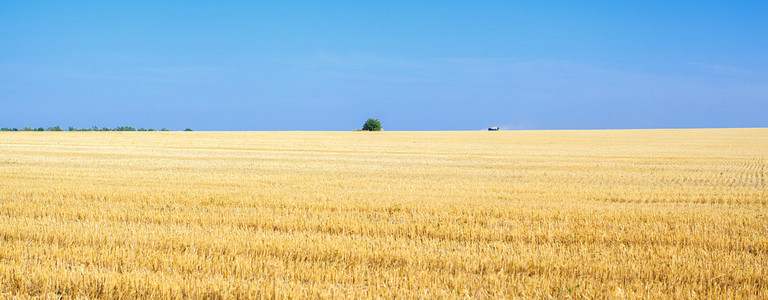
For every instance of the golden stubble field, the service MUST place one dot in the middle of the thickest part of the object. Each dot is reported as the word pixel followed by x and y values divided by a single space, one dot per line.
pixel 530 214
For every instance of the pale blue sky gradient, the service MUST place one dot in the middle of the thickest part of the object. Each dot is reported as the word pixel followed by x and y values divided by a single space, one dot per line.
pixel 415 65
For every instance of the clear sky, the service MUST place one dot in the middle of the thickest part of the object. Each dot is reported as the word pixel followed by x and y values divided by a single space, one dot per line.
pixel 415 65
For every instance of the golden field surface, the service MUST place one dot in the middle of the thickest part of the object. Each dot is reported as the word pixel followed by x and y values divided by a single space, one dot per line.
pixel 510 214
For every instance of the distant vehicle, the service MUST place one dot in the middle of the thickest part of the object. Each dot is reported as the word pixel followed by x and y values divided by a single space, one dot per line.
pixel 493 128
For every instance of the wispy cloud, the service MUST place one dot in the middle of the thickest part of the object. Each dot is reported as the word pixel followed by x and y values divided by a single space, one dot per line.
pixel 158 74
pixel 725 70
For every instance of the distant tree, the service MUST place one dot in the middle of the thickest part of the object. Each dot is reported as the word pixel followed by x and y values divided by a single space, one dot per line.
pixel 40 129
pixel 151 129
pixel 5 129
pixel 14 129
pixel 106 129
pixel 165 129
pixel 372 125
pixel 57 128
pixel 26 128
pixel 71 128
pixel 188 129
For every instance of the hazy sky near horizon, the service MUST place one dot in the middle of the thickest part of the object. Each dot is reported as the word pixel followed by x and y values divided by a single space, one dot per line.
pixel 415 65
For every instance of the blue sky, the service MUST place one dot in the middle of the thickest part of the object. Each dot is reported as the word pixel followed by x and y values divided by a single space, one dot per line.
pixel 415 65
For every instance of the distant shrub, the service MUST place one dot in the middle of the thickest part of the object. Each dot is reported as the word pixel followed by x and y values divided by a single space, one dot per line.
pixel 94 128
pixel 125 128
pixel 188 129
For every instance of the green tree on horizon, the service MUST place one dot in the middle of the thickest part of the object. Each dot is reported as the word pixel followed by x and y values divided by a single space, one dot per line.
pixel 372 125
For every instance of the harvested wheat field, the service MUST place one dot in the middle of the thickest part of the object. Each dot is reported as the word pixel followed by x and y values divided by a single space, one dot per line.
pixel 530 214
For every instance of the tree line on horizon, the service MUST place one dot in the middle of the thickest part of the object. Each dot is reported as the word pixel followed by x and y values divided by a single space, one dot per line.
pixel 94 128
